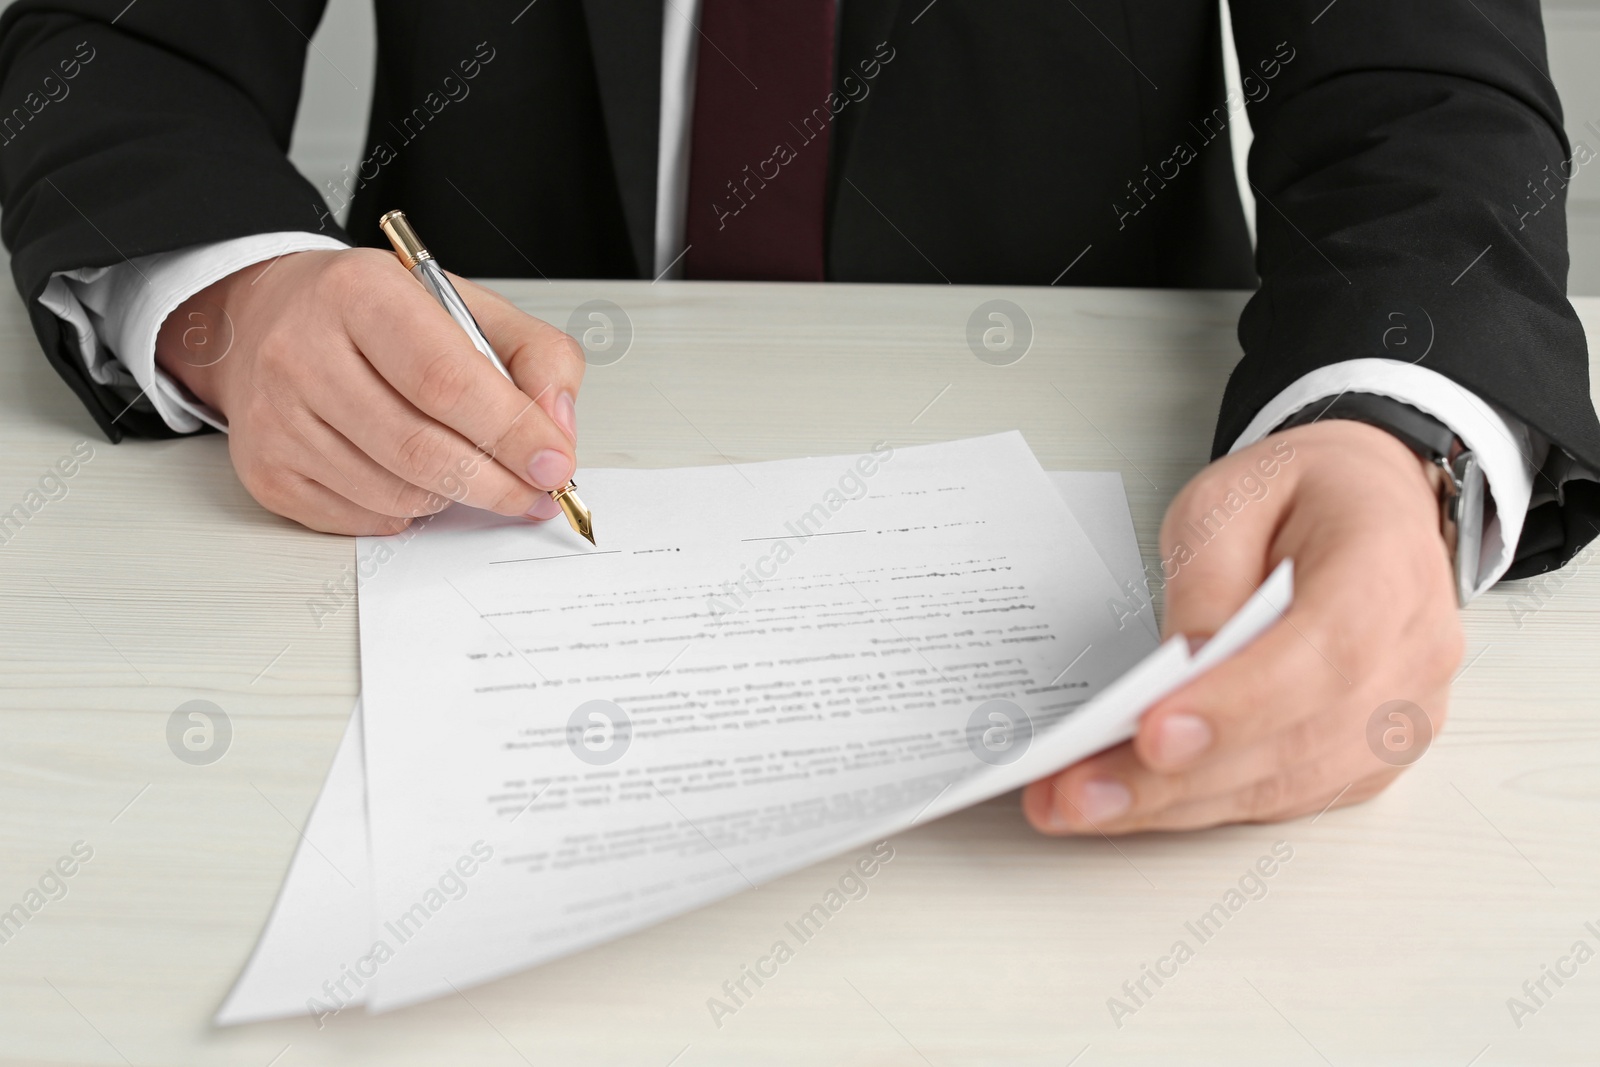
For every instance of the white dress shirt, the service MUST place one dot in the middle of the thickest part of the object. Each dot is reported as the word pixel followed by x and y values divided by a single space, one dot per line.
pixel 116 313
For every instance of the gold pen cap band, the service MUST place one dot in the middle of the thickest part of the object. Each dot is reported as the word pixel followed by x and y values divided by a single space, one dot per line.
pixel 407 245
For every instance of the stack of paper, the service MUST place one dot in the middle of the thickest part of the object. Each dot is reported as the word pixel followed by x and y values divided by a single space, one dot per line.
pixel 760 666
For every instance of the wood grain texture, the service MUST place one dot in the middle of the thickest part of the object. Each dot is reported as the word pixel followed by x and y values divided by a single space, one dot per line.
pixel 1395 934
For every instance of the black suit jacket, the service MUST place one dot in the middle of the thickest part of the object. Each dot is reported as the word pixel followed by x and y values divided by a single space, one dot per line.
pixel 994 141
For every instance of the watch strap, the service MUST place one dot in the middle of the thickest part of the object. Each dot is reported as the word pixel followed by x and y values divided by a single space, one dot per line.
pixel 1417 430
pixel 1456 474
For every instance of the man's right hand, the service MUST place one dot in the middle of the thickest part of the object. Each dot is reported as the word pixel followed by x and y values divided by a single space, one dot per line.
pixel 355 403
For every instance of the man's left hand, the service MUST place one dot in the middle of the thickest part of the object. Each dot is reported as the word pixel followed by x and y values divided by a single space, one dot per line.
pixel 1281 729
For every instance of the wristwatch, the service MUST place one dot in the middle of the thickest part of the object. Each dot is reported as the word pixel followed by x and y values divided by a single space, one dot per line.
pixel 1457 477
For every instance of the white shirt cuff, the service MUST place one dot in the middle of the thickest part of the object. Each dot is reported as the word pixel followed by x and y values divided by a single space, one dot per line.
pixel 116 313
pixel 1502 443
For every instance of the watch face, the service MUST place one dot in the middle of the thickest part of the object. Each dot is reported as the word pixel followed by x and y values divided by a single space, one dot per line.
pixel 1467 508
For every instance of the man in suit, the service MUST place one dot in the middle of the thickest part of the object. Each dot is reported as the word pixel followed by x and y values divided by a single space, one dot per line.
pixel 1410 323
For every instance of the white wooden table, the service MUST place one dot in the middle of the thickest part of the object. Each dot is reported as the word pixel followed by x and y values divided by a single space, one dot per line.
pixel 1395 935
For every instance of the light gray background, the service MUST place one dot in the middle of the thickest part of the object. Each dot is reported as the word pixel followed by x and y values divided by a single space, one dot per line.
pixel 1573 30
pixel 338 87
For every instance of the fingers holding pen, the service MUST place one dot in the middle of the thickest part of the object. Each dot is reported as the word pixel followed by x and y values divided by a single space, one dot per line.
pixel 300 467
pixel 421 352
pixel 546 363
pixel 422 451
pixel 355 401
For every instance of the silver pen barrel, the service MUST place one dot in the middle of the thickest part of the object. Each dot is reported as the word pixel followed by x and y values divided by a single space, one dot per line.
pixel 432 276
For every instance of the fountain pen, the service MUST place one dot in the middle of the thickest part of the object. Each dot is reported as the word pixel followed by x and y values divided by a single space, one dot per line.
pixel 416 258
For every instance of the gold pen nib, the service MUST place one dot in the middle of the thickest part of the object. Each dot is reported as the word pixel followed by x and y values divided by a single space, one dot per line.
pixel 577 514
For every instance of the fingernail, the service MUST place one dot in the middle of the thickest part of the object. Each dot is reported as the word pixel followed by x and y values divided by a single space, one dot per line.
pixel 544 508
pixel 1100 799
pixel 550 469
pixel 1182 737
pixel 566 415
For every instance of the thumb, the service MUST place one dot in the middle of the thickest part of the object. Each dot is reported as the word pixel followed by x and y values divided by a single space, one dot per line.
pixel 1217 538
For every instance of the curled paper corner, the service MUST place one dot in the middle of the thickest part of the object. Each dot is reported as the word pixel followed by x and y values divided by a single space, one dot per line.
pixel 1265 607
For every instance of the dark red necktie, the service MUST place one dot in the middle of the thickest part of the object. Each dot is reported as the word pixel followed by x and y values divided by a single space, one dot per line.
pixel 758 145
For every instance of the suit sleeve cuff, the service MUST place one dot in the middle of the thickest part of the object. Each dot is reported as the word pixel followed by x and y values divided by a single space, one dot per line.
pixel 1502 443
pixel 116 312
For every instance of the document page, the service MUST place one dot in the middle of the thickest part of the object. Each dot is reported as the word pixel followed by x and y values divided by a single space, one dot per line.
pixel 760 665
pixel 320 927
pixel 322 949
